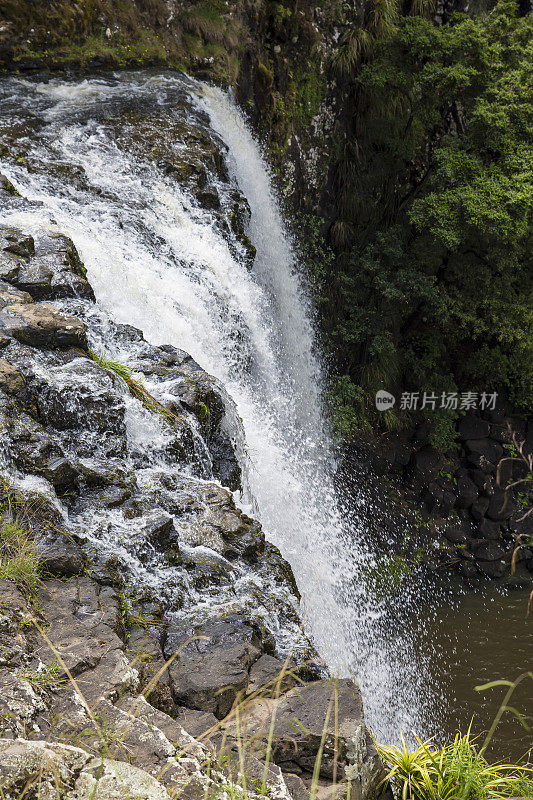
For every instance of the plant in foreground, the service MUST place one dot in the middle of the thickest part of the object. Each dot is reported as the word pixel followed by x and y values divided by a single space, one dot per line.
pixel 456 771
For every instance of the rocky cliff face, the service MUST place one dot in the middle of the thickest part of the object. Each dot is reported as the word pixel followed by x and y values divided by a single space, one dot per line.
pixel 161 609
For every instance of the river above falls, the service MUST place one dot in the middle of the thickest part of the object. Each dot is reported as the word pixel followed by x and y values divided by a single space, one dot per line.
pixel 96 154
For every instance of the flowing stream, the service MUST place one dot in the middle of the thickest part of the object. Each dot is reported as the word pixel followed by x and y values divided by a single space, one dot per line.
pixel 160 261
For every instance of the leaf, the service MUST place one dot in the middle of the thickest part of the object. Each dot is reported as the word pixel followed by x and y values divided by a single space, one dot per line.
pixel 492 684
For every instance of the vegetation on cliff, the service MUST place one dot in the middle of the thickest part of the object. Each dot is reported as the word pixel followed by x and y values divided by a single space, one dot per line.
pixel 431 286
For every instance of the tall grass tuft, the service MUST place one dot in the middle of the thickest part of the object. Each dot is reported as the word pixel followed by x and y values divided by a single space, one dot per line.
pixel 457 771
pixel 18 557
pixel 135 387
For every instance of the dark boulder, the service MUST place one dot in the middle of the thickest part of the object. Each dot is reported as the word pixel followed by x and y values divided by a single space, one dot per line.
pixel 211 669
pixel 432 497
pixel 479 508
pixel 447 503
pixel 467 569
pixel 488 529
pixel 271 676
pixel 59 555
pixel 483 452
pixel 483 481
pixel 472 427
pixel 456 536
pixel 501 506
pixel 425 465
pixel 466 491
pixel 493 569
pixel 488 551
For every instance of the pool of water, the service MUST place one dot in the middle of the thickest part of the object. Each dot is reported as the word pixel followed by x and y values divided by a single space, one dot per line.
pixel 484 635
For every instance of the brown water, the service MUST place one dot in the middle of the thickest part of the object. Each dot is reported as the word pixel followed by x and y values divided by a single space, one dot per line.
pixel 487 636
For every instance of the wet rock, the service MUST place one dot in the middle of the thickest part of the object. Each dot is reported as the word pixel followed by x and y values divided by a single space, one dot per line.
pixel 49 277
pixel 209 518
pixel 425 465
pixel 7 186
pixel 479 508
pixel 60 472
pixel 41 325
pixel 208 198
pixel 472 427
pixel 157 529
pixel 47 270
pixel 466 491
pixel 11 379
pixel 9 295
pixel 483 452
pixel 488 551
pixel 488 529
pixel 82 396
pixel 493 569
pixel 112 496
pixel 58 254
pixel 456 536
pixel 211 670
pixel 33 450
pixel 483 481
pixel 501 506
pixel 201 394
pixel 15 242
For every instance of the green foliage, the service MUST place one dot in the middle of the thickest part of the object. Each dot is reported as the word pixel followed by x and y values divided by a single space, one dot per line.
pixel 433 282
pixel 457 771
pixel 18 557
pixel 46 678
pixel 122 50
pixel 135 387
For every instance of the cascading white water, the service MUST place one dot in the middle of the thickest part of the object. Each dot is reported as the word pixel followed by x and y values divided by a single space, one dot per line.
pixel 157 261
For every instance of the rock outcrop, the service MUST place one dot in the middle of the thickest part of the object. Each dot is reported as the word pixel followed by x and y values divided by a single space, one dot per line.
pixel 151 624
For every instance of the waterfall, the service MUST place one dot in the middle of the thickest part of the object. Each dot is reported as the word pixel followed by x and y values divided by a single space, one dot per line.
pixel 159 261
